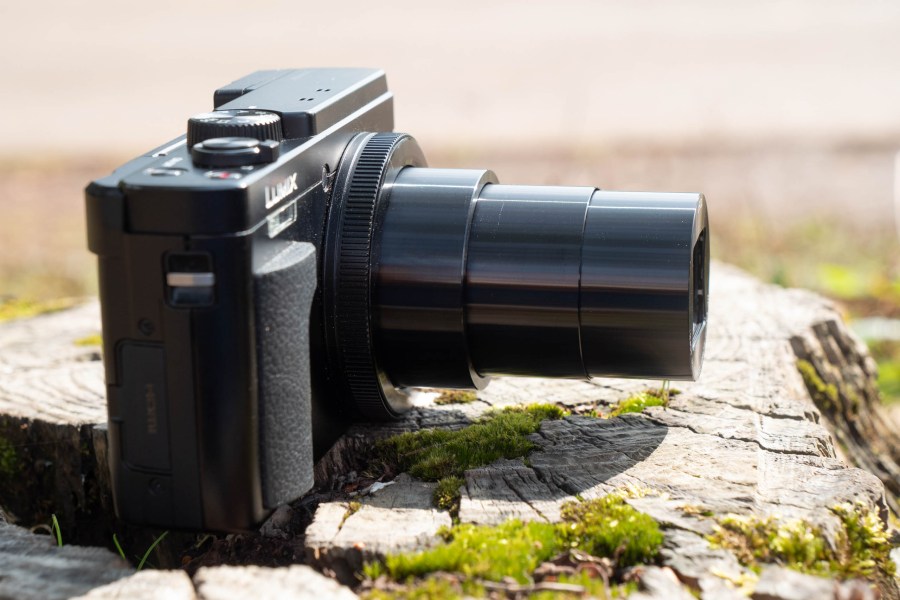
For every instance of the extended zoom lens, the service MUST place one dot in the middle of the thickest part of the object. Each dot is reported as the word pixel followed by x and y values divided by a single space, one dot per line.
pixel 444 277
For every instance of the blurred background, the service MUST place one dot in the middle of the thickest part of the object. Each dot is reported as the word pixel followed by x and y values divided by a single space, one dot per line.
pixel 786 114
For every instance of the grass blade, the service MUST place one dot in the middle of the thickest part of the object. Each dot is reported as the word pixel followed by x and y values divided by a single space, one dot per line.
pixel 119 547
pixel 54 527
pixel 150 549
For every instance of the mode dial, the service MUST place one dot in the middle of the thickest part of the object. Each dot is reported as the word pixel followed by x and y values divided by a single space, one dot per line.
pixel 244 123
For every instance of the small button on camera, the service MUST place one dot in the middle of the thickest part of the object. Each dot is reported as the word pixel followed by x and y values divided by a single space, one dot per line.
pixel 222 175
pixel 163 172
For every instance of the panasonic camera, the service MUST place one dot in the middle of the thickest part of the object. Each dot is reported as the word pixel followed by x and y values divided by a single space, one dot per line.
pixel 291 264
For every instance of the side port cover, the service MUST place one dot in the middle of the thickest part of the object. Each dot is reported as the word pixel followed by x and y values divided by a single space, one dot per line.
pixel 144 407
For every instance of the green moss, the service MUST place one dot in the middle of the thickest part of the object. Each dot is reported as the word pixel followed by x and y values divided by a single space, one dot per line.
pixel 90 340
pixel 430 588
pixel 456 397
pixel 9 460
pixel 825 395
pixel 696 511
pixel 862 546
pixel 511 549
pixel 453 588
pixel 607 526
pixel 446 494
pixel 642 400
pixel 637 403
pixel 433 454
pixel 352 508
pixel 887 354
pixel 444 455
pixel 593 587
pixel 795 543
pixel 20 308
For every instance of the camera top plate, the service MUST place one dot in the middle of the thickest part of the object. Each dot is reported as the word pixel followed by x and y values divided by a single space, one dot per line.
pixel 309 101
pixel 164 192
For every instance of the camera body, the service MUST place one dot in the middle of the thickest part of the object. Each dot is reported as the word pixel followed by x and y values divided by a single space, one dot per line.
pixel 289 266
pixel 207 278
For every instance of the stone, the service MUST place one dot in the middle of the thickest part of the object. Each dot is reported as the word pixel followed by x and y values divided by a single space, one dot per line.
pixel 34 567
pixel 780 583
pixel 660 584
pixel 146 585
pixel 296 582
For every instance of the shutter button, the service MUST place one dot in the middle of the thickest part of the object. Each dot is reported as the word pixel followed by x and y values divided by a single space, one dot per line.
pixel 231 143
pixel 234 152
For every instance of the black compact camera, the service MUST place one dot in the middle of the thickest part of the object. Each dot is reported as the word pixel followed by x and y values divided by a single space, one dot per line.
pixel 291 265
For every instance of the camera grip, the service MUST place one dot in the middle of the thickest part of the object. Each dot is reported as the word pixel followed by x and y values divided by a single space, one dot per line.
pixel 283 292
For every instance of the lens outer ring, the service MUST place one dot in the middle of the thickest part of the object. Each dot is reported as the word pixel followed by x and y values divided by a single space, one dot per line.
pixel 370 164
pixel 641 276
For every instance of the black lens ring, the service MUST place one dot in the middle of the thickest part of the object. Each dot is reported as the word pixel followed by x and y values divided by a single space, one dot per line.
pixel 361 183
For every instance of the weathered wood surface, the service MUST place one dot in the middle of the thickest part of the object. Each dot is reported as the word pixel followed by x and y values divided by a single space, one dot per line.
pixel 339 541
pixel 52 411
pixel 746 438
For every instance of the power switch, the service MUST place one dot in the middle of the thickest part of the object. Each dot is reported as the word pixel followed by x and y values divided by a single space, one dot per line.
pixel 190 280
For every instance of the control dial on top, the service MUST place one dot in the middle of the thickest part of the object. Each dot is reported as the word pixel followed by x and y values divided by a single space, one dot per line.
pixel 244 123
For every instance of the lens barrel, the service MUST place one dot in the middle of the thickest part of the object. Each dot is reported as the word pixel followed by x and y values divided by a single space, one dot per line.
pixel 468 278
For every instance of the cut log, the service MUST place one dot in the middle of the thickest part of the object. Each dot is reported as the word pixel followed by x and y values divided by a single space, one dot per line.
pixel 850 401
pixel 52 424
pixel 752 436
pixel 747 438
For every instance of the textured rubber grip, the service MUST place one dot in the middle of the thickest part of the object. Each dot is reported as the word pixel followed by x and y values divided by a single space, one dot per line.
pixel 283 290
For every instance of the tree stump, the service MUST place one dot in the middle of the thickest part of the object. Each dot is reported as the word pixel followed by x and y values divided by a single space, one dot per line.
pixel 783 379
